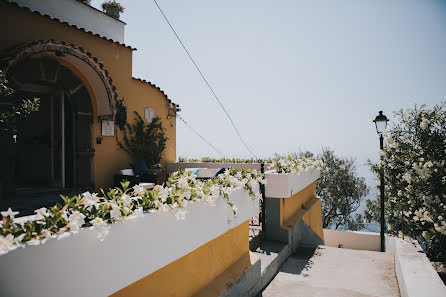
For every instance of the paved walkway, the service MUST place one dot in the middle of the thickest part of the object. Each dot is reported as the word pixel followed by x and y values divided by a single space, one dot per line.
pixel 335 272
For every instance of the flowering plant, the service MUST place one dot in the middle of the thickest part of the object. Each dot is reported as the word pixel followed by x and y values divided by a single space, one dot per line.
pixel 293 163
pixel 112 4
pixel 97 212
pixel 414 164
pixel 221 160
pixel 296 163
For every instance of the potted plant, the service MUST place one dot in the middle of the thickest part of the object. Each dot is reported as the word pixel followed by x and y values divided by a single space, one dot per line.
pixel 145 142
pixel 112 8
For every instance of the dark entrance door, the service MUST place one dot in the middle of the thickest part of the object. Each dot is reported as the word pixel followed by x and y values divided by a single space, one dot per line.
pixel 53 151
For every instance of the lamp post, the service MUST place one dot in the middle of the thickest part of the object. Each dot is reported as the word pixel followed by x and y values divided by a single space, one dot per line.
pixel 381 123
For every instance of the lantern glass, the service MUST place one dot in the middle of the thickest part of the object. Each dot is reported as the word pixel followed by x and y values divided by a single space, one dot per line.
pixel 380 122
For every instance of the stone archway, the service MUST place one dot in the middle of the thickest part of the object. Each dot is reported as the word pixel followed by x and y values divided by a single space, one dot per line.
pixel 83 63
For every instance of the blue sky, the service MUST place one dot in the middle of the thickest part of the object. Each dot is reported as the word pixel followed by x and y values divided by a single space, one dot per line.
pixel 294 75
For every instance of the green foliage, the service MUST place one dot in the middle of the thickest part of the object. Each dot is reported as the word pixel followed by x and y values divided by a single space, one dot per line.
pixel 124 203
pixel 144 141
pixel 112 4
pixel 413 162
pixel 295 162
pixel 10 117
pixel 341 190
pixel 222 160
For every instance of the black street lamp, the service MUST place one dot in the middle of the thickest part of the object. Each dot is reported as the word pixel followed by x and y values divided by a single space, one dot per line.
pixel 381 123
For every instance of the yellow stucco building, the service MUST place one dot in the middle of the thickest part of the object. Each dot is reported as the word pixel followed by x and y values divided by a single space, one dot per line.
pixel 73 58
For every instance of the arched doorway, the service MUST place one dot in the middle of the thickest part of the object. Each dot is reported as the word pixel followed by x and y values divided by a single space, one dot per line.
pixel 53 152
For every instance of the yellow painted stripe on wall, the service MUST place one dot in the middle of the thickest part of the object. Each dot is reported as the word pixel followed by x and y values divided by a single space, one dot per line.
pixel 293 209
pixel 225 258
pixel 294 203
pixel 313 218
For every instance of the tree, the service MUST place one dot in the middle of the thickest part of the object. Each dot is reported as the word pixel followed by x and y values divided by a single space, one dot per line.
pixel 413 161
pixel 144 141
pixel 341 191
pixel 10 116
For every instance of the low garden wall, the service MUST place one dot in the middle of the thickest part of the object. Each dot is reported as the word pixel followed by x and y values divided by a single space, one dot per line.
pixel 155 254
pixel 415 274
pixel 355 240
pixel 185 238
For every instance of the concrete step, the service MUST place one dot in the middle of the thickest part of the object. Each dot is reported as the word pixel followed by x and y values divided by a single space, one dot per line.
pixel 269 256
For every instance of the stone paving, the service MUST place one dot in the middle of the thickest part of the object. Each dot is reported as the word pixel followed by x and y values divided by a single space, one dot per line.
pixel 335 272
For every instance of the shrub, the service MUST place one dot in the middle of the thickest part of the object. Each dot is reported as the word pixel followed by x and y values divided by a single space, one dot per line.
pixel 144 141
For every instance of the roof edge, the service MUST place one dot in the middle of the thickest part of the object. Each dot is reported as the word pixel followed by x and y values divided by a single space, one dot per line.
pixel 156 87
pixel 14 4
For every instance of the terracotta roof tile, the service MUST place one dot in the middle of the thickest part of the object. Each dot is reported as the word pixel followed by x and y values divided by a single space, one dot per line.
pixel 156 87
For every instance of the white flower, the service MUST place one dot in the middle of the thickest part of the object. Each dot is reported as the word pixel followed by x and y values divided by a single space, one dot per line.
pixel 115 213
pixel 64 215
pixel 215 191
pixel 138 190
pixel 6 243
pixel 97 222
pixel 102 233
pixel 180 214
pixel 76 220
pixel 163 193
pixel 126 199
pixel 41 214
pixel 255 186
pixel 424 123
pixel 90 199
pixel 182 183
pixel 9 213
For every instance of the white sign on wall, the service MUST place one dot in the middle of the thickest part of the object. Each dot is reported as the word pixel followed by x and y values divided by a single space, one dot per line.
pixel 108 128
pixel 149 114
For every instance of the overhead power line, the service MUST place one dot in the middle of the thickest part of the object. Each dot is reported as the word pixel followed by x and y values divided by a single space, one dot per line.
pixel 198 134
pixel 206 81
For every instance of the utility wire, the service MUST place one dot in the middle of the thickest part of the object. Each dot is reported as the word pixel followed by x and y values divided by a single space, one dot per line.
pixel 205 80
pixel 198 134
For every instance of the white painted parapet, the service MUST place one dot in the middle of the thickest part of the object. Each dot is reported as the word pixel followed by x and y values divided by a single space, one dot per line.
pixel 355 240
pixel 81 265
pixel 285 185
pixel 79 14
pixel 415 274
